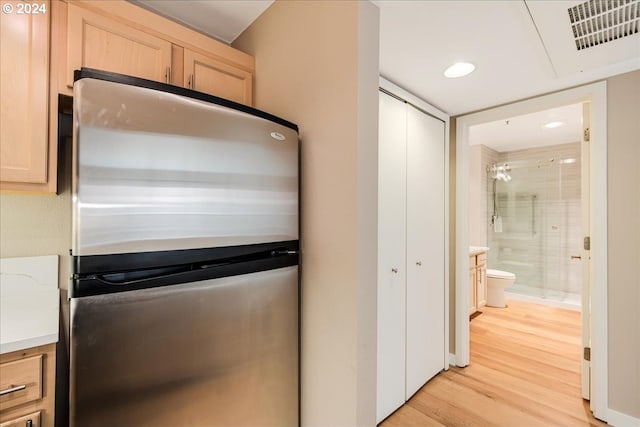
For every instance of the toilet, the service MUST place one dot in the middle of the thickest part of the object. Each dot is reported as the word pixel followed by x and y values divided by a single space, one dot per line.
pixel 497 280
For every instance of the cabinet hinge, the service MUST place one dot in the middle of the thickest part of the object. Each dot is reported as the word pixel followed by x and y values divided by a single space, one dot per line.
pixel 587 354
pixel 587 134
pixel 587 243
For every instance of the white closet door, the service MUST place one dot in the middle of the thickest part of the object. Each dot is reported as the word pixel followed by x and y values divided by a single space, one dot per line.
pixel 391 255
pixel 425 249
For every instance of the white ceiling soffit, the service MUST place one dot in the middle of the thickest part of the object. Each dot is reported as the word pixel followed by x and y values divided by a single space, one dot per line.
pixel 528 131
pixel 222 19
pixel 606 34
pixel 420 39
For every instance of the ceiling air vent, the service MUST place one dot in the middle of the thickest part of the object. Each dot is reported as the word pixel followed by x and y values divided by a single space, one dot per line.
pixel 600 21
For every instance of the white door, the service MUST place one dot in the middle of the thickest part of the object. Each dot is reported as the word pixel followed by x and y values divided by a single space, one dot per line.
pixel 391 255
pixel 585 174
pixel 425 249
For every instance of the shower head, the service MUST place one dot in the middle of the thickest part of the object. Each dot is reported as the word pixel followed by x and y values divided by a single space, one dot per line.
pixel 500 172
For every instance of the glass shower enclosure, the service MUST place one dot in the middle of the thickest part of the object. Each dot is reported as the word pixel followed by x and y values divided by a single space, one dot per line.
pixel 534 229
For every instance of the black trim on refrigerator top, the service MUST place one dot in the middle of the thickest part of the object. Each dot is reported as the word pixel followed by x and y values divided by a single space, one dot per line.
pixel 104 274
pixel 177 90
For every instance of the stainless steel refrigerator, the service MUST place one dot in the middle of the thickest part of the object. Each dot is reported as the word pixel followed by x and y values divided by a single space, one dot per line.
pixel 184 288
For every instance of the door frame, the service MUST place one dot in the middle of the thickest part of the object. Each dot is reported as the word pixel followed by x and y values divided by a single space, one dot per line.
pixel 441 115
pixel 596 93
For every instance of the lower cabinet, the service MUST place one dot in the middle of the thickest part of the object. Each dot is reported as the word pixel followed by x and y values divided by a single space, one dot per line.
pixel 411 252
pixel 473 305
pixel 27 387
pixel 30 420
pixel 477 281
pixel 481 279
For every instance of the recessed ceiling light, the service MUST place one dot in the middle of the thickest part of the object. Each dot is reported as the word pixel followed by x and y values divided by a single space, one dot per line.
pixel 552 125
pixel 459 69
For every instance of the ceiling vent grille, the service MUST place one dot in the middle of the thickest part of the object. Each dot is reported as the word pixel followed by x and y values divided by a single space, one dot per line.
pixel 600 21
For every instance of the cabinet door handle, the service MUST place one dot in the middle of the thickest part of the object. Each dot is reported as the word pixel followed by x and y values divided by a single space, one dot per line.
pixel 168 75
pixel 190 81
pixel 394 270
pixel 12 389
pixel 419 263
pixel 29 423
pixel 576 257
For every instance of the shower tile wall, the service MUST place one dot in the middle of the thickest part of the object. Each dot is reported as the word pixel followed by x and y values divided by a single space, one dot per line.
pixel 541 213
pixel 481 157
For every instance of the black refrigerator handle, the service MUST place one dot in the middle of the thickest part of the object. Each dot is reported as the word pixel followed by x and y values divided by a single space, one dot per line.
pixel 107 283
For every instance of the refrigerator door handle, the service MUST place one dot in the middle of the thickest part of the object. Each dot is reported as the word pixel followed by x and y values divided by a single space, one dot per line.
pixel 119 278
pixel 280 252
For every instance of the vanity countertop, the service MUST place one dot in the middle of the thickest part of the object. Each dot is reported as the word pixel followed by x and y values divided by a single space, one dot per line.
pixel 475 250
pixel 29 299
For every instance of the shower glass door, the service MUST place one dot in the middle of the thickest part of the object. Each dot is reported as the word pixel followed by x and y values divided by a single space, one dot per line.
pixel 534 225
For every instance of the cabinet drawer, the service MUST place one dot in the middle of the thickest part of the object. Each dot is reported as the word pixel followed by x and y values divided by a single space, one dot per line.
pixel 20 382
pixel 24 421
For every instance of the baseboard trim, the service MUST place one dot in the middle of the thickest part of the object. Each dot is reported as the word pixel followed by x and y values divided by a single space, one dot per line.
pixel 618 419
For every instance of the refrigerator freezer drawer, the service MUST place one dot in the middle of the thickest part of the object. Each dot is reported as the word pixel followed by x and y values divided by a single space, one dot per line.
pixel 158 171
pixel 220 352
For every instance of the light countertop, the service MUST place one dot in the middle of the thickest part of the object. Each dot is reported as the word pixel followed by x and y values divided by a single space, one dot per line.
pixel 29 299
pixel 475 250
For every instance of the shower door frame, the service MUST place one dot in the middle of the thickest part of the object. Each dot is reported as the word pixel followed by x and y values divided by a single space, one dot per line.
pixel 596 94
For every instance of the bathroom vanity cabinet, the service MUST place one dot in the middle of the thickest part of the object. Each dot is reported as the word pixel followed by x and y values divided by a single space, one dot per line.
pixel 477 280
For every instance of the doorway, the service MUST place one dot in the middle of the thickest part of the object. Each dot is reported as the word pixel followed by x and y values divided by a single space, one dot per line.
pixel 597 327
pixel 525 202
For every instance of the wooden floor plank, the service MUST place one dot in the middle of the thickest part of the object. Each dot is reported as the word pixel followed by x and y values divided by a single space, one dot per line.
pixel 524 371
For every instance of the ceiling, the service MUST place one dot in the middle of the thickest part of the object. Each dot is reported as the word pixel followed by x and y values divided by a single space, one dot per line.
pixel 221 19
pixel 516 133
pixel 521 48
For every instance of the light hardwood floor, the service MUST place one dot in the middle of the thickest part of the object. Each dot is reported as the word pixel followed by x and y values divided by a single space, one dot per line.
pixel 524 372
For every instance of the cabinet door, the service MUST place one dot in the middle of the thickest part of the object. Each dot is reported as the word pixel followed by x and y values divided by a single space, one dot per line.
pixel 391 255
pixel 481 280
pixel 472 286
pixel 95 41
pixel 24 63
pixel 205 74
pixel 425 248
pixel 30 420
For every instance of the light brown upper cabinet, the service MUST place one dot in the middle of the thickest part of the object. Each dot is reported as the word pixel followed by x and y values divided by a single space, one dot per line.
pixel 96 41
pixel 205 74
pixel 24 116
pixel 39 53
pixel 121 37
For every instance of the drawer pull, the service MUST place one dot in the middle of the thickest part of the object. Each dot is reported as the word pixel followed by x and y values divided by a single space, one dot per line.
pixel 12 389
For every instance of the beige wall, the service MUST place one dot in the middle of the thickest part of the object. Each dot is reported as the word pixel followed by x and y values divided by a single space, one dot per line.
pixel 317 65
pixel 32 224
pixel 623 186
